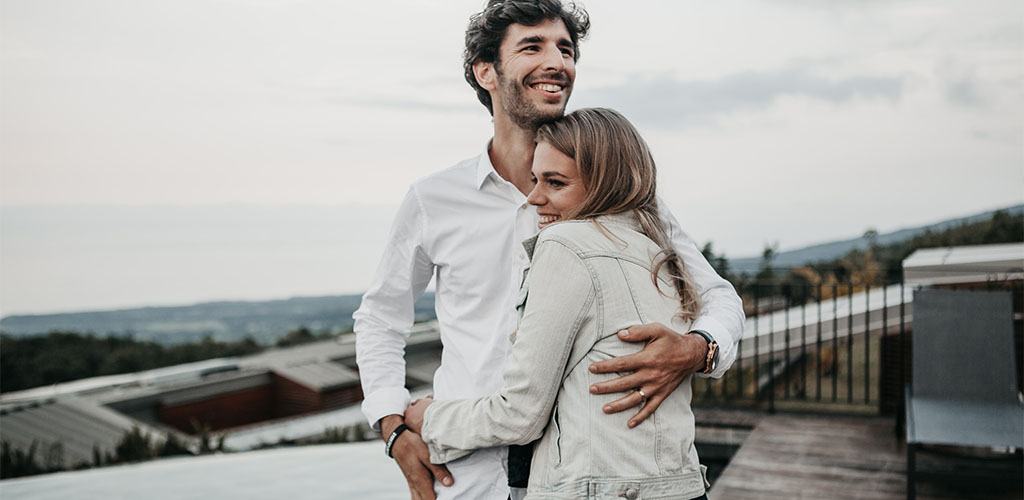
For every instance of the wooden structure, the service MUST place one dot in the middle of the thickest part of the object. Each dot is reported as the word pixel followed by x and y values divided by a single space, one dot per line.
pixel 838 458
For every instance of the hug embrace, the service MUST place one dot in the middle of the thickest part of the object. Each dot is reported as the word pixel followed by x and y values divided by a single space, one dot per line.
pixel 548 336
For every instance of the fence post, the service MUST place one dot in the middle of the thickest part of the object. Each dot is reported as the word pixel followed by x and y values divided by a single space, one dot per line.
pixel 849 343
pixel 867 344
pixel 757 342
pixel 818 364
pixel 771 355
pixel 835 342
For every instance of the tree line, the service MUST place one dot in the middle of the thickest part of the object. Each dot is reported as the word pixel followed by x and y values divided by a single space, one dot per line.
pixel 27 362
pixel 875 265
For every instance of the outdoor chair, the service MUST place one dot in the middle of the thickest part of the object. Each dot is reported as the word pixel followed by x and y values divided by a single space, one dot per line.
pixel 964 387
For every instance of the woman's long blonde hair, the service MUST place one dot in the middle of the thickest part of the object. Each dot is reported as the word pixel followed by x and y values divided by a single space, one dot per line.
pixel 619 175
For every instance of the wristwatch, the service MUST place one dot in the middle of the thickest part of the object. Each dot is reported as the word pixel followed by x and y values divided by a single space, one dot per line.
pixel 712 362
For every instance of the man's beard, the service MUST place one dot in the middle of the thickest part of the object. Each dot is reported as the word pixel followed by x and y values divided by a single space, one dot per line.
pixel 521 110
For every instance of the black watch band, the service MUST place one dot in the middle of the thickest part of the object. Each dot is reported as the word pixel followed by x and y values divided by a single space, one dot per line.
pixel 712 361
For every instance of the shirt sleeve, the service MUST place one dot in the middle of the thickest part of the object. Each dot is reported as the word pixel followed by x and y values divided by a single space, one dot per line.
pixel 721 313
pixel 558 302
pixel 386 313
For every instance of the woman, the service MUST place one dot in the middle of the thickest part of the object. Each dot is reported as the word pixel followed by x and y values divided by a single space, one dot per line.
pixel 605 266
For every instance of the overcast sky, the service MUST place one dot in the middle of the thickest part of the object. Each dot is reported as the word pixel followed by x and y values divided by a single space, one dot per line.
pixel 786 120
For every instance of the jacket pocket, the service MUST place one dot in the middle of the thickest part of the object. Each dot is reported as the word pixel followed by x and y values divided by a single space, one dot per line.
pixel 557 438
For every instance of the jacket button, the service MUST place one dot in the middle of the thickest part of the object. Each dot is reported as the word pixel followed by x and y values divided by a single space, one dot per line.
pixel 632 494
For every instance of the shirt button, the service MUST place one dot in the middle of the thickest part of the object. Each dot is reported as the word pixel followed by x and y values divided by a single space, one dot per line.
pixel 632 494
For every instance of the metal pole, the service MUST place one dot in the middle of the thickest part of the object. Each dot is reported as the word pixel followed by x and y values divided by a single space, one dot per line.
pixel 885 333
pixel 902 412
pixel 849 344
pixel 787 347
pixel 819 367
pixel 835 341
pixel 803 347
pixel 757 340
pixel 771 355
pixel 867 343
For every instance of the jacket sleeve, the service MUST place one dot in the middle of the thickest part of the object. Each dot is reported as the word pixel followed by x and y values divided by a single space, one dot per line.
pixel 386 313
pixel 560 295
pixel 721 312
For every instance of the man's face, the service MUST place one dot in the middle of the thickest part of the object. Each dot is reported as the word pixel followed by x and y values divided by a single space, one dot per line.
pixel 535 73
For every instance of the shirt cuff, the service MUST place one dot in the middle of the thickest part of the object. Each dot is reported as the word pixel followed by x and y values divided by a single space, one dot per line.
pixel 726 346
pixel 385 402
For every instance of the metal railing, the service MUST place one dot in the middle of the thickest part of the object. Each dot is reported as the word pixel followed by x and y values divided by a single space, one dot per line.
pixel 841 347
pixel 805 346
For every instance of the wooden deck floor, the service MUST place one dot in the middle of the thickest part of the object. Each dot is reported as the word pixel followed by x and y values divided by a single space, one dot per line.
pixel 836 458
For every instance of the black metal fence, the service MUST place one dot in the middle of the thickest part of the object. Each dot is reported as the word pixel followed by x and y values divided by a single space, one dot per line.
pixel 841 347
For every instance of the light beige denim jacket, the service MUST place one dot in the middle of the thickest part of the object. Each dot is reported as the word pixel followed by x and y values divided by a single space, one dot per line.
pixel 586 281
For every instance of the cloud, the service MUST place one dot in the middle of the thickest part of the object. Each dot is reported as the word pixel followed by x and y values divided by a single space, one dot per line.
pixel 664 101
pixel 412 105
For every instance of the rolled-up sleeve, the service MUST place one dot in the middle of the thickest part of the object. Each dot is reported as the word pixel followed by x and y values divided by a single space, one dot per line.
pixel 721 312
pixel 560 296
pixel 386 313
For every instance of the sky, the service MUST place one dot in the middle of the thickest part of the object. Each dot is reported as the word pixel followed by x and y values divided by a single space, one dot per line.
pixel 772 121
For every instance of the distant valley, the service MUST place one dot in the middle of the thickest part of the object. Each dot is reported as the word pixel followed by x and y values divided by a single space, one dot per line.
pixel 267 321
pixel 263 321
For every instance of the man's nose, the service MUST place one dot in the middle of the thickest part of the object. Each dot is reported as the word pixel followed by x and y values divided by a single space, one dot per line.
pixel 554 60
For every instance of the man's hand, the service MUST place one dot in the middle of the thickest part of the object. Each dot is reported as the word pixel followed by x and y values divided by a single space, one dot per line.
pixel 658 369
pixel 413 458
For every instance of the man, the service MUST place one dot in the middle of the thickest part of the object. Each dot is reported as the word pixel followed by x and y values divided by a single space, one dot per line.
pixel 463 227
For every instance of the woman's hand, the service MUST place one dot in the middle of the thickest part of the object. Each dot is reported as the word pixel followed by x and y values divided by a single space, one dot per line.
pixel 414 413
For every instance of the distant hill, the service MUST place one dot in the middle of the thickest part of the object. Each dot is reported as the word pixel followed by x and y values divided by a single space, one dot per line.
pixel 264 321
pixel 836 249
pixel 267 321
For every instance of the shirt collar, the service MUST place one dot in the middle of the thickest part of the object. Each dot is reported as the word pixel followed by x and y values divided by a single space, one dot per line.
pixel 484 168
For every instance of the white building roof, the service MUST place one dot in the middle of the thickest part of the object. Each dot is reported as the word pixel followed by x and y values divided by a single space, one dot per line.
pixel 357 470
pixel 968 264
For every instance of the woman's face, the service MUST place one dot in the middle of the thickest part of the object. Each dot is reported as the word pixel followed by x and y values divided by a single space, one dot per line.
pixel 557 187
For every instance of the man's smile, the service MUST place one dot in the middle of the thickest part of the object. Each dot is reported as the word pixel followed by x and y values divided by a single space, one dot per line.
pixel 549 88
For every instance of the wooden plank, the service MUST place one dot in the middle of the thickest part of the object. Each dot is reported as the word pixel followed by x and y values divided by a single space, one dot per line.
pixel 837 458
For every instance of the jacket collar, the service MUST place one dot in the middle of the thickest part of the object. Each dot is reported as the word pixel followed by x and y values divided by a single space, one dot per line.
pixel 627 219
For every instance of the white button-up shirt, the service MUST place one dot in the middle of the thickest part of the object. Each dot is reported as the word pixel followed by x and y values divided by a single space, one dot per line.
pixel 464 227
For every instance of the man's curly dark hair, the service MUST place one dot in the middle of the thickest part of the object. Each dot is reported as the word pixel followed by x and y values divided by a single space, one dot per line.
pixel 487 29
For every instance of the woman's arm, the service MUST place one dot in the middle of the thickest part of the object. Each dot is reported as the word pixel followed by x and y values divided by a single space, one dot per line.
pixel 561 294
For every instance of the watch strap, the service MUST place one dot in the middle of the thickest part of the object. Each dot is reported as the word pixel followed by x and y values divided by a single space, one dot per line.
pixel 712 360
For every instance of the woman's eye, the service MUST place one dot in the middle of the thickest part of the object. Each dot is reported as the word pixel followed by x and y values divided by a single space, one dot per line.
pixel 554 183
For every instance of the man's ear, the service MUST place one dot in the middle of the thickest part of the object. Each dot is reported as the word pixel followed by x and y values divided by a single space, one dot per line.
pixel 486 75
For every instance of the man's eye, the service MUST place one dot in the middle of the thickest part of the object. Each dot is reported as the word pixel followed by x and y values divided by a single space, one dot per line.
pixel 532 48
pixel 566 52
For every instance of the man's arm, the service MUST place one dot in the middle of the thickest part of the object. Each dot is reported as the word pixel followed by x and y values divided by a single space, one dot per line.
pixel 670 357
pixel 382 325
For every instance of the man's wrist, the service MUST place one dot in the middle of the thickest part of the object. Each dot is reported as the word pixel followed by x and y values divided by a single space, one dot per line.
pixel 710 351
pixel 388 425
